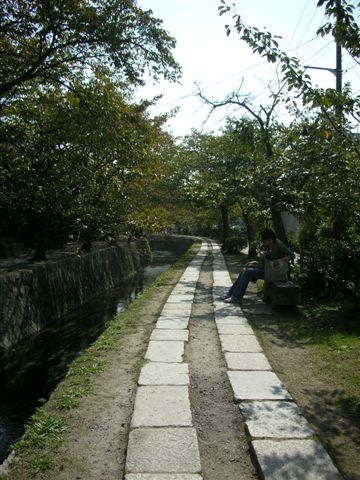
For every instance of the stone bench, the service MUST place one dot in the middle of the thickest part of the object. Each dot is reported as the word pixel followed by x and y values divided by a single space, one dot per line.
pixel 283 293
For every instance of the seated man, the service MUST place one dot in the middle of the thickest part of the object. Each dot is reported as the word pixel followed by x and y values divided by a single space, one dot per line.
pixel 273 249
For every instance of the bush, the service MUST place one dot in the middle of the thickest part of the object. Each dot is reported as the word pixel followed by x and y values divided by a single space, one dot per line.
pixel 330 264
pixel 234 244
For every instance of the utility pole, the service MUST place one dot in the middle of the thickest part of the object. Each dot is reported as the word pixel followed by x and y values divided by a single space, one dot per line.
pixel 339 108
pixel 337 71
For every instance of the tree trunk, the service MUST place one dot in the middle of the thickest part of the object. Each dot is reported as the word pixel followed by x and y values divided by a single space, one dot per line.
pixel 41 239
pixel 278 224
pixel 251 239
pixel 224 223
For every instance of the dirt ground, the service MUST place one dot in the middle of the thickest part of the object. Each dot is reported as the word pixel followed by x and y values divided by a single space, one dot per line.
pixel 224 449
pixel 97 448
pixel 304 372
pixel 94 447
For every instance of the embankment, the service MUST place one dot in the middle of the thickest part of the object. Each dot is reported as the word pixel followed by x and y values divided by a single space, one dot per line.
pixel 33 297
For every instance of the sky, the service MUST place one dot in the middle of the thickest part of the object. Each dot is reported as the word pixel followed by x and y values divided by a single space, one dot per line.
pixel 221 64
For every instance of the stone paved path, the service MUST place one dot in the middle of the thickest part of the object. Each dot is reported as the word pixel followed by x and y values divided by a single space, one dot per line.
pixel 163 442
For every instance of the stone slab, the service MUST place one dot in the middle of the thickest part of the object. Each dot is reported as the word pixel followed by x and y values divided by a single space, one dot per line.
pixel 167 352
pixel 174 315
pixel 230 320
pixel 157 373
pixel 162 406
pixel 221 278
pixel 219 292
pixel 222 281
pixel 163 476
pixel 161 334
pixel 275 419
pixel 180 298
pixel 257 385
pixel 235 330
pixel 240 343
pixel 177 309
pixel 163 450
pixel 223 309
pixel 172 323
pixel 181 290
pixel 187 283
pixel 294 460
pixel 246 361
pixel 180 305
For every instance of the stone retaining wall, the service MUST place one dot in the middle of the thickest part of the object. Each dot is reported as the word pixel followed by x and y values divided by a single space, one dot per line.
pixel 35 296
pixel 174 243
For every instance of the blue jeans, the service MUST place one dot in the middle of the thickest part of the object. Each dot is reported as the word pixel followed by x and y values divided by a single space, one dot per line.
pixel 248 274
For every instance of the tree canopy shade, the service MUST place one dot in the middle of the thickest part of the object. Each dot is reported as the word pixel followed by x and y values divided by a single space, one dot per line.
pixel 52 40
pixel 73 159
pixel 73 144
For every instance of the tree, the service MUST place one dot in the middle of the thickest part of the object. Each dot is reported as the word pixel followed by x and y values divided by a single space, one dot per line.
pixel 213 171
pixel 52 42
pixel 267 126
pixel 72 141
pixel 346 31
pixel 63 170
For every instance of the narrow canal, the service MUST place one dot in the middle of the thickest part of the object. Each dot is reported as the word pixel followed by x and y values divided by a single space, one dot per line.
pixel 29 373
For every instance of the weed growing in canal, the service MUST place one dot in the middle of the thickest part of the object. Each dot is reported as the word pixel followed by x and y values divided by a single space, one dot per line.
pixel 43 433
pixel 40 464
pixel 40 429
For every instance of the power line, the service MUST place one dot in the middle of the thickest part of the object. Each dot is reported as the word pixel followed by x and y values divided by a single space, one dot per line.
pixel 354 65
pixel 320 50
pixel 322 21
pixel 297 25
pixel 308 26
pixel 193 93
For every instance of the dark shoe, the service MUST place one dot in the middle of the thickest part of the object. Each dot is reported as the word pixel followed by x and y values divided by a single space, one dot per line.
pixel 225 297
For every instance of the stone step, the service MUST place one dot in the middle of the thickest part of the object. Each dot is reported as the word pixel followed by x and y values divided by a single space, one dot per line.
pixel 165 351
pixel 162 406
pixel 156 373
pixel 163 450
pixel 275 419
pixel 240 343
pixel 171 335
pixel 294 460
pixel 246 361
pixel 172 323
pixel 235 330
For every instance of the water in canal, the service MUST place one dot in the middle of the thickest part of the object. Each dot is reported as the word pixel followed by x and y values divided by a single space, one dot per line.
pixel 30 372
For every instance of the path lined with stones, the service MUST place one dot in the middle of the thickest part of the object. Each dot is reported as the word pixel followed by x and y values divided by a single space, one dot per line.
pixel 284 445
pixel 163 442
